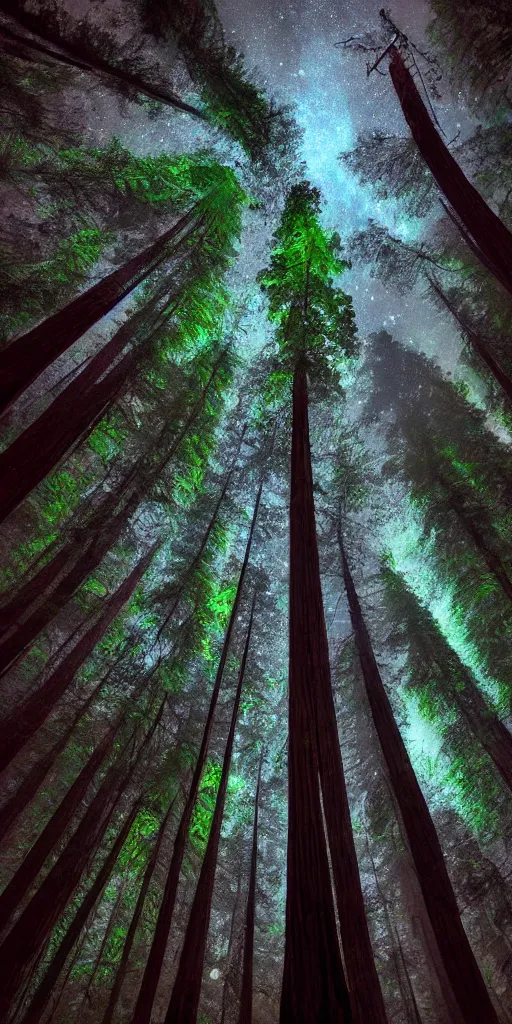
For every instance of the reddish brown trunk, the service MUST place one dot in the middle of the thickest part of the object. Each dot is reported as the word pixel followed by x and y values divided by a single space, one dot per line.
pixel 31 931
pixel 45 989
pixel 492 239
pixel 184 1003
pixel 314 987
pixel 108 529
pixel 26 357
pixel 26 792
pixel 245 1014
pixel 31 590
pixel 143 1008
pixel 19 727
pixel 24 878
pixel 19 45
pixel 134 923
pixel 456 953
pixel 40 448
pixel 99 957
pixel 477 343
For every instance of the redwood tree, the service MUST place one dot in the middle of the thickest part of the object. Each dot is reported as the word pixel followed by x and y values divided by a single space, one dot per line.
pixel 184 1004
pixel 492 240
pixel 315 330
pixel 151 976
pixel 245 1013
pixel 459 962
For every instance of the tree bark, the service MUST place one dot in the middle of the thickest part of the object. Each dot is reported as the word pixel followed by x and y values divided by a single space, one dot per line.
pixel 19 801
pixel 17 44
pixel 99 956
pixel 105 527
pixel 134 923
pixel 245 1014
pixel 26 357
pixel 31 931
pixel 146 997
pixel 44 991
pixel 26 875
pixel 314 987
pixel 461 968
pixel 184 1002
pixel 24 722
pixel 477 343
pixel 490 235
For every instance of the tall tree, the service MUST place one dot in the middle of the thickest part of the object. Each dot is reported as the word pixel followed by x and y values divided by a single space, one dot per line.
pixel 31 931
pixel 26 358
pixel 245 1013
pixel 18 728
pixel 184 1003
pixel 315 333
pixel 491 238
pixel 151 976
pixel 468 986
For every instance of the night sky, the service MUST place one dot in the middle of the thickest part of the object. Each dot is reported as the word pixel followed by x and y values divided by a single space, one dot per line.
pixel 292 47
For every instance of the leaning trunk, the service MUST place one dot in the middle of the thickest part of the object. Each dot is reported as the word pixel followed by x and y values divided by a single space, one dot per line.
pixel 31 931
pixel 26 792
pixel 493 241
pixel 19 728
pixel 134 923
pixel 26 357
pixel 245 1014
pixel 144 1005
pixel 488 555
pixel 459 963
pixel 45 989
pixel 314 975
pixel 184 1004
pixel 477 343
pixel 16 43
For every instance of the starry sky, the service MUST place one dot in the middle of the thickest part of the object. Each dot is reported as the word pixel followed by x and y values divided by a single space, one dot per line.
pixel 291 46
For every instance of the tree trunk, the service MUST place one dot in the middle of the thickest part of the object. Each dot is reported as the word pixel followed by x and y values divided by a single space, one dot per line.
pixel 31 931
pixel 19 801
pixel 314 987
pixel 99 956
pixel 26 875
pixel 44 990
pixel 245 1014
pixel 184 1002
pixel 17 44
pixel 108 529
pixel 491 559
pixel 31 591
pixel 490 235
pixel 26 357
pixel 24 722
pixel 477 343
pixel 456 953
pixel 206 536
pixel 134 923
pixel 144 1005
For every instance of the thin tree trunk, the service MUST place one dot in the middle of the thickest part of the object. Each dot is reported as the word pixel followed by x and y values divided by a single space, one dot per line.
pixel 184 1002
pixel 489 233
pixel 314 987
pixel 150 979
pixel 461 968
pixel 31 591
pixel 44 991
pixel 32 929
pixel 491 559
pixel 26 357
pixel 24 722
pixel 108 529
pixel 99 956
pixel 26 875
pixel 17 44
pixel 245 1014
pixel 477 343
pixel 229 952
pixel 17 803
pixel 134 923
pixel 206 536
